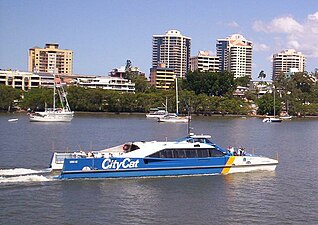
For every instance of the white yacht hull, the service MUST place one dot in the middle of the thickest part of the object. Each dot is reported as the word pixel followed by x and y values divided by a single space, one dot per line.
pixel 155 116
pixel 272 120
pixel 52 117
pixel 177 119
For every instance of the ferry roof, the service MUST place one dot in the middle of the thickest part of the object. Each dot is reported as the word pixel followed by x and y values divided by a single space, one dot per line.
pixel 145 148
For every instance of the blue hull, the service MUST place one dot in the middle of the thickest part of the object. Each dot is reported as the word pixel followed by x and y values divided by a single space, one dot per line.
pixel 140 167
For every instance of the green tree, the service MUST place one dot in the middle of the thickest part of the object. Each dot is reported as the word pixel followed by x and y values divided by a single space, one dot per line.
pixel 7 97
pixel 297 91
pixel 243 81
pixel 266 105
pixel 141 82
pixel 38 98
pixel 211 84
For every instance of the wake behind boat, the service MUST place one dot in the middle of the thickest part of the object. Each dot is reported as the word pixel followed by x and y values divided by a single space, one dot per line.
pixel 192 155
pixel 63 114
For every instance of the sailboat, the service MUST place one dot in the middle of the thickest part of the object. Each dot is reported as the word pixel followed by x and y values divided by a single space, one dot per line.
pixel 158 112
pixel 174 117
pixel 284 115
pixel 272 119
pixel 55 114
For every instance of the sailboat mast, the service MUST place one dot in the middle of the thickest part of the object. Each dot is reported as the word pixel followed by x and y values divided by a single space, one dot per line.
pixel 177 100
pixel 166 104
pixel 54 91
pixel 274 102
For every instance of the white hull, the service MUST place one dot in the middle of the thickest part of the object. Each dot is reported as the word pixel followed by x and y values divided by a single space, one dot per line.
pixel 250 168
pixel 286 117
pixel 272 120
pixel 177 119
pixel 52 117
pixel 155 116
pixel 13 120
pixel 251 163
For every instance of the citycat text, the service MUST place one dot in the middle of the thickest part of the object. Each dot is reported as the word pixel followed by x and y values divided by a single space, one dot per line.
pixel 127 163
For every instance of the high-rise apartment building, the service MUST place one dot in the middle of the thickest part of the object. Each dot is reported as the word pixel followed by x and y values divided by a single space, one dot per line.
pixel 204 62
pixel 235 55
pixel 288 60
pixel 50 59
pixel 172 49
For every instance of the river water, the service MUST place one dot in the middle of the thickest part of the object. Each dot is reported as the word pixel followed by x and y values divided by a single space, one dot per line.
pixel 29 194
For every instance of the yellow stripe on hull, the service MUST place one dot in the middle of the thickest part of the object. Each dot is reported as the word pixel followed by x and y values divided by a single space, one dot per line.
pixel 228 165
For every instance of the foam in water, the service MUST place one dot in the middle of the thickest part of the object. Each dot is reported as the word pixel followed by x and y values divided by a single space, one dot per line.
pixel 19 171
pixel 18 175
pixel 23 179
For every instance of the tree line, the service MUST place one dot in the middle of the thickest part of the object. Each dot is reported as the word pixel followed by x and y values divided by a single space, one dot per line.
pixel 200 93
pixel 295 94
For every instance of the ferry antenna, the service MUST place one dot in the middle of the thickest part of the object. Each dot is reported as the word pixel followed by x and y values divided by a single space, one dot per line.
pixel 80 147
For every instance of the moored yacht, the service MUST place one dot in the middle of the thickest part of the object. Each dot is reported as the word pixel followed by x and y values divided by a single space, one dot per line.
pixel 159 113
pixel 192 155
pixel 272 120
pixel 174 118
pixel 63 114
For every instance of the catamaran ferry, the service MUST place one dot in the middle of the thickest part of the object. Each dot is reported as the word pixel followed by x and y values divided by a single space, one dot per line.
pixel 192 155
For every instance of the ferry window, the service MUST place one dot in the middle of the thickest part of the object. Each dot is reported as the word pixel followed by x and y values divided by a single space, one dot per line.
pixel 130 147
pixel 179 153
pixel 201 140
pixel 203 153
pixel 215 153
pixel 134 147
pixel 168 153
pixel 155 155
pixel 186 153
pixel 191 153
pixel 162 154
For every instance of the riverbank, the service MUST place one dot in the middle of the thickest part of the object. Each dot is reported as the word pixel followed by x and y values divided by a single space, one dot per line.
pixel 139 113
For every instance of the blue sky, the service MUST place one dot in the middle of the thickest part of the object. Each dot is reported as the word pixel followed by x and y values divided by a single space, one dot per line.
pixel 103 34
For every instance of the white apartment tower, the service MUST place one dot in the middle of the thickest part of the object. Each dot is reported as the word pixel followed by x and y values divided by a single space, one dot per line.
pixel 235 55
pixel 288 60
pixel 172 49
pixel 204 62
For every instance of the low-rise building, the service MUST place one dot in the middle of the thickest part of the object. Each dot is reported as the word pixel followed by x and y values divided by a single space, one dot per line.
pixel 261 87
pixel 18 79
pixel 162 77
pixel 204 62
pixel 28 80
pixel 106 83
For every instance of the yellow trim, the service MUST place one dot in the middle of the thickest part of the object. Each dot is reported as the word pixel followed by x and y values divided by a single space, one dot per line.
pixel 228 165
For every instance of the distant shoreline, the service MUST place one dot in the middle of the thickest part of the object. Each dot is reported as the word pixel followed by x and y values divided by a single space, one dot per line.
pixel 138 113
